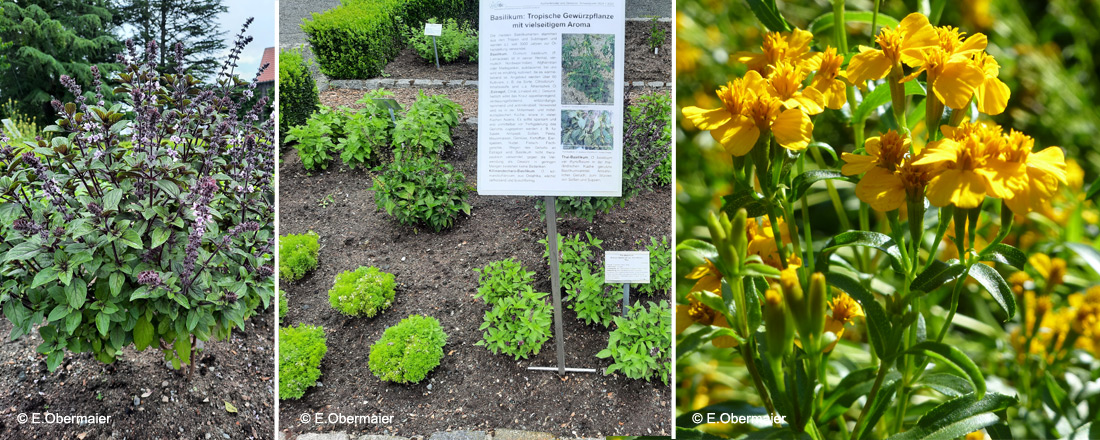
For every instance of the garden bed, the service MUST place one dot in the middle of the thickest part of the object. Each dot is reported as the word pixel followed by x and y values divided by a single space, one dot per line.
pixel 472 388
pixel 641 63
pixel 238 370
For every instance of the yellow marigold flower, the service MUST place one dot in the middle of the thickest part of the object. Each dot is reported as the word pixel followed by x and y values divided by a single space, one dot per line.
pixel 952 73
pixel 1043 171
pixel 967 166
pixel 976 435
pixel 827 65
pixel 697 312
pixel 708 276
pixel 896 45
pixel 791 46
pixel 1053 270
pixel 785 83
pixel 844 310
pixel 761 241
pixel 991 96
pixel 748 111
pixel 890 176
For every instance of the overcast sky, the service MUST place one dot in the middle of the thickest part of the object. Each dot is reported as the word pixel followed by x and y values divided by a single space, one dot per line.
pixel 262 31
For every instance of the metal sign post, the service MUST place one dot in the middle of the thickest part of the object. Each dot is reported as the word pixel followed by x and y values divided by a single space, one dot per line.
pixel 555 289
pixel 434 30
pixel 626 297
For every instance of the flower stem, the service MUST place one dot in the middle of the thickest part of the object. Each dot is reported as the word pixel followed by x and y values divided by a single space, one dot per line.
pixel 882 370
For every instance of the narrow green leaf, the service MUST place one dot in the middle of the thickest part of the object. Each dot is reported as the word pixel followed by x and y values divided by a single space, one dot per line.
pixel 804 181
pixel 880 96
pixel 692 341
pixel 953 357
pixel 989 278
pixel 183 348
pixel 883 401
pixel 947 384
pixel 755 205
pixel 875 240
pixel 1088 253
pixel 958 417
pixel 824 23
pixel 1003 253
pixel 1093 190
pixel 937 274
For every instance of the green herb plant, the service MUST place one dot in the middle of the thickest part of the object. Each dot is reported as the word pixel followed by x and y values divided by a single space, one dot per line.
pixel 365 291
pixel 301 349
pixel 501 279
pixel 517 325
pixel 660 268
pixel 657 34
pixel 282 307
pixel 640 346
pixel 422 191
pixel 575 254
pixel 586 129
pixel 297 255
pixel 456 41
pixel 425 130
pixel 316 140
pixel 594 302
pixel 588 62
pixel 408 351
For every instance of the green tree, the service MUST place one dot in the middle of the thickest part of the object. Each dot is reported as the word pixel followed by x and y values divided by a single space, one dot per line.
pixel 191 22
pixel 51 38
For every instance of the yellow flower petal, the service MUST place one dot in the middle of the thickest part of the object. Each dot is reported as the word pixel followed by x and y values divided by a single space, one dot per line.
pixel 856 163
pixel 738 135
pixel 705 119
pixel 992 96
pixel 793 129
pixel 963 188
pixel 956 84
pixel 683 318
pixel 882 189
pixel 868 64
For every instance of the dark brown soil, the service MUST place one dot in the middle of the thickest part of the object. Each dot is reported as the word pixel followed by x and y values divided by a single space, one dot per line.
pixel 641 63
pixel 239 370
pixel 472 388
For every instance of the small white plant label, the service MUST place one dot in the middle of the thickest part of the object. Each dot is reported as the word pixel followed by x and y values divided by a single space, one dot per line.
pixel 433 29
pixel 626 267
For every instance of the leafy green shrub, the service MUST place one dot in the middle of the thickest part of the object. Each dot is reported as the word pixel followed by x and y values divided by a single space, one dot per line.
pixel 282 306
pixel 297 255
pixel 501 279
pixel 593 301
pixel 297 91
pixel 657 34
pixel 408 351
pixel 367 132
pixel 316 140
pixel 422 191
pixel 660 268
pixel 576 254
pixel 647 158
pixel 365 291
pixel 155 244
pixel 456 40
pixel 425 130
pixel 358 38
pixel 301 349
pixel 640 346
pixel 587 61
pixel 517 325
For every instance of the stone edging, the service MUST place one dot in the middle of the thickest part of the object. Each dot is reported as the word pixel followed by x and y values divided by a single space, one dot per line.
pixel 499 434
pixel 390 83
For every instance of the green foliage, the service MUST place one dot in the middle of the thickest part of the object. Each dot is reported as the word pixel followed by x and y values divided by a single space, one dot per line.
pixel 358 38
pixel 194 23
pixel 408 351
pixel 586 130
pixel 301 349
pixel 455 41
pixel 517 325
pixel 297 255
pixel 282 306
pixel 657 34
pixel 316 140
pixel 640 346
pixel 647 157
pixel 425 130
pixel 576 254
pixel 501 279
pixel 587 61
pixel 422 191
pixel 660 268
pixel 594 302
pixel 367 131
pixel 365 291
pixel 105 244
pixel 45 39
pixel 297 91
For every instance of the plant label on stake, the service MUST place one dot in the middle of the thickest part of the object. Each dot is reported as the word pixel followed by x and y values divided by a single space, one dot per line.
pixel 434 30
pixel 626 267
pixel 537 136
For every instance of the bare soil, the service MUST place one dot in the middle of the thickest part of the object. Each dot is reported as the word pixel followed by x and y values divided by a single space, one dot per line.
pixel 144 398
pixel 641 63
pixel 472 388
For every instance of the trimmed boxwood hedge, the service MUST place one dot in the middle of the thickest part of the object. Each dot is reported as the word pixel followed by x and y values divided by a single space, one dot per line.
pixel 358 38
pixel 297 92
